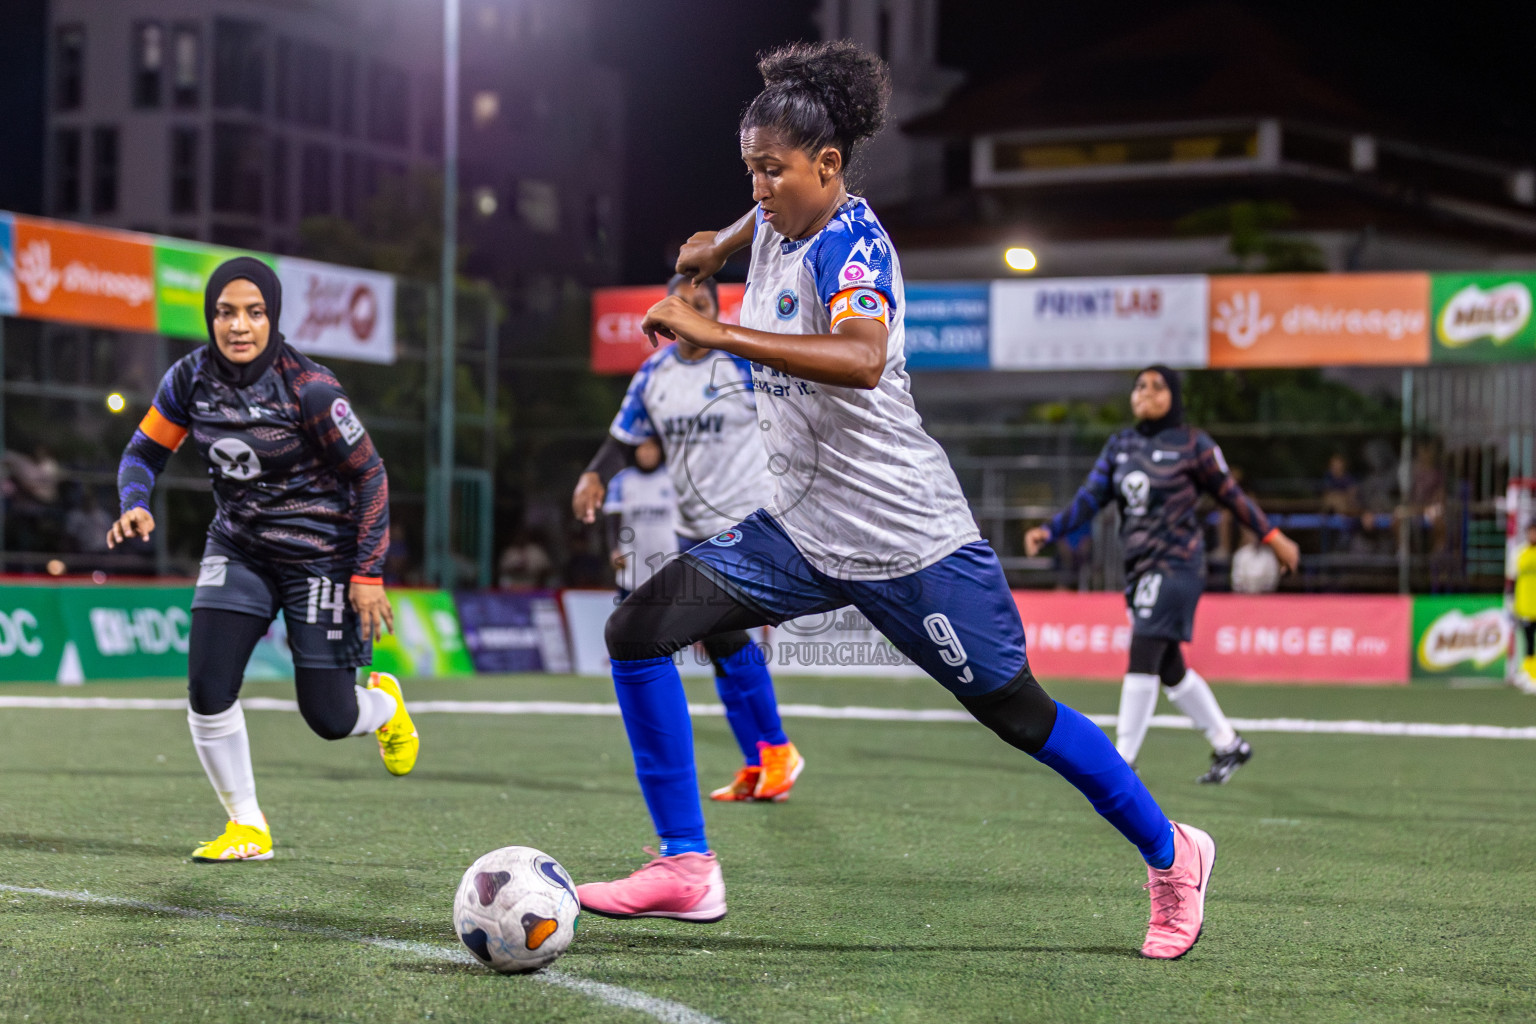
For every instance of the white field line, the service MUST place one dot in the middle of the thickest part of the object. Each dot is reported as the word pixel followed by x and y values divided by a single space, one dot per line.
pixel 1349 727
pixel 614 995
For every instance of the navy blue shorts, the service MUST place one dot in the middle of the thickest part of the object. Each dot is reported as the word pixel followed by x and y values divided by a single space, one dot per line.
pixel 956 619
pixel 1162 604
pixel 323 629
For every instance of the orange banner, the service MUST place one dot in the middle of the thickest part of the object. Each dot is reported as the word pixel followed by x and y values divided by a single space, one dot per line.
pixel 1319 320
pixel 618 345
pixel 85 275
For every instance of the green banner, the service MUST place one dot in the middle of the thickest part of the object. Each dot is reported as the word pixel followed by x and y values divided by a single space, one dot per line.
pixel 1459 636
pixel 427 640
pixel 181 274
pixel 33 639
pixel 129 632
pixel 1482 318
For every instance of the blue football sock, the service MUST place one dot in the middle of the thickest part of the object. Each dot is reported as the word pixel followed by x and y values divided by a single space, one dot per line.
pixel 747 673
pixel 660 732
pixel 743 723
pixel 1080 752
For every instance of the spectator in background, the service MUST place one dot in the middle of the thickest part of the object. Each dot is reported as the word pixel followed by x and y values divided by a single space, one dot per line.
pixel 87 524
pixel 524 562
pixel 586 566
pixel 34 499
pixel 1341 497
pixel 1255 569
pixel 1377 497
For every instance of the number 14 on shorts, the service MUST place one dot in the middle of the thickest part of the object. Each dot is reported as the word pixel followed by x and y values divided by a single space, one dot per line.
pixel 325 596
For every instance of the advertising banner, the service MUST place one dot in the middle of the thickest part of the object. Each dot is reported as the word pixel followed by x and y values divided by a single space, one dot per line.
pixel 426 640
pixel 33 640
pixel 1460 636
pixel 618 344
pixel 84 275
pixel 128 632
pixel 1319 320
pixel 947 325
pixel 1075 636
pixel 338 312
pixel 8 300
pixel 513 632
pixel 1302 638
pixel 1099 323
pixel 1482 318
pixel 181 274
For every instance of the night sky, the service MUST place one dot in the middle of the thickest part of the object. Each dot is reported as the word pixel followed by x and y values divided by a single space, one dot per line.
pixel 1466 72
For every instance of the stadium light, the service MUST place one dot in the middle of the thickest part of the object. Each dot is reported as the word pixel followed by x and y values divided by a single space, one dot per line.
pixel 116 402
pixel 1020 259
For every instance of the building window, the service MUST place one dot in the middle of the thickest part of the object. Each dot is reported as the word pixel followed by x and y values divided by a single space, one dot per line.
pixel 186 56
pixel 280 180
pixel 239 65
pixel 184 160
pixel 389 102
pixel 282 73
pixel 351 185
pixel 312 90
pixel 238 159
pixel 104 158
pixel 148 62
pixel 66 171
pixel 69 67
pixel 346 93
pixel 315 182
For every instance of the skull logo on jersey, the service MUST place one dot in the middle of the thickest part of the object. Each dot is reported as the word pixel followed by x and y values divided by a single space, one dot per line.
pixel 235 459
pixel 1135 488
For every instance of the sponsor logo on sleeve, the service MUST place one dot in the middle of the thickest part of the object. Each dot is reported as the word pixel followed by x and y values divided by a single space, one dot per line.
pixel 346 421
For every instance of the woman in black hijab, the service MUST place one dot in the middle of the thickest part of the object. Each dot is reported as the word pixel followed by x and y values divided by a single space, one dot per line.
pixel 1156 472
pixel 301 524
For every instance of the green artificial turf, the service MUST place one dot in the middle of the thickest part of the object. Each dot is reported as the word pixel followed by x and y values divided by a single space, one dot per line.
pixel 922 871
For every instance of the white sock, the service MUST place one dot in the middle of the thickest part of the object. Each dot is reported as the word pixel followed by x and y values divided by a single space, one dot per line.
pixel 1193 696
pixel 224 747
pixel 1138 699
pixel 374 708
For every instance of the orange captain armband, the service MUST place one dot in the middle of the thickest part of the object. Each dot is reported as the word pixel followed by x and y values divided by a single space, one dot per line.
pixel 863 303
pixel 1274 531
pixel 161 430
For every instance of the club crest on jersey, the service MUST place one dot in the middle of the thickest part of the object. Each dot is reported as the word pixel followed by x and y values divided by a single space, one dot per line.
pixel 235 459
pixel 726 539
pixel 346 421
pixel 1136 488
pixel 787 305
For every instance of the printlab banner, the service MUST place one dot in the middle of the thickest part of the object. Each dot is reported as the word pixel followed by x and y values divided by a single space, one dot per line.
pixel 513 632
pixel 1107 323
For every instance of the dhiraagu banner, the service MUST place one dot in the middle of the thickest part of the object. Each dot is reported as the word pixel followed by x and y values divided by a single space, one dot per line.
pixel 1482 318
pixel 427 640
pixel 181 274
pixel 1459 636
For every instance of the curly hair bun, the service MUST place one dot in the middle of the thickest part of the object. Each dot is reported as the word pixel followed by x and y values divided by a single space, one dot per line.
pixel 821 94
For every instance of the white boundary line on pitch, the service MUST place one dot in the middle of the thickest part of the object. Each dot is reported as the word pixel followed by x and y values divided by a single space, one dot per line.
pixel 1348 727
pixel 614 995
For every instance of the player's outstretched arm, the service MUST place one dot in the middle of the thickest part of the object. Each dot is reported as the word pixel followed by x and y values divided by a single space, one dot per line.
pixel 705 252
pixel 159 434
pixel 592 485
pixel 1096 492
pixel 852 356
pixel 1217 480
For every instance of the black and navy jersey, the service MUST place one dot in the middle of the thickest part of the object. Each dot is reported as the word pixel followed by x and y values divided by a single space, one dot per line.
pixel 296 478
pixel 1156 482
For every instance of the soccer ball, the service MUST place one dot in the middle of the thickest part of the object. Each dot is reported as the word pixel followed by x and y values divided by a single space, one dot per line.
pixel 516 909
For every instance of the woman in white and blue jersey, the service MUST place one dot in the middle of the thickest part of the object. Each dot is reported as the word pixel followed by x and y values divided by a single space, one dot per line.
pixel 866 510
pixel 699 407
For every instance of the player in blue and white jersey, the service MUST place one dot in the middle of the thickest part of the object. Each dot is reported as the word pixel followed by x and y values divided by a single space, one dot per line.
pixel 1156 473
pixel 866 510
pixel 699 406
pixel 641 512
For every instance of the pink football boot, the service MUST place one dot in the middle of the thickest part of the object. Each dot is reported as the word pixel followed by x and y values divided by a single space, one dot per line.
pixel 687 887
pixel 1178 895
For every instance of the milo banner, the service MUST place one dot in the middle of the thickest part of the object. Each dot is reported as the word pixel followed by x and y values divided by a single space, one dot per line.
pixel 1459 636
pixel 1482 318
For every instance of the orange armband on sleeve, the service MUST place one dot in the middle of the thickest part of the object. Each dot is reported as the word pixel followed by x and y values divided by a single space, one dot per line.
pixel 863 303
pixel 161 430
pixel 1272 534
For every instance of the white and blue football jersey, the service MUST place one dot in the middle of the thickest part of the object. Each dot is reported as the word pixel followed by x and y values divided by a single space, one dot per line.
pixel 862 489
pixel 705 417
pixel 646 505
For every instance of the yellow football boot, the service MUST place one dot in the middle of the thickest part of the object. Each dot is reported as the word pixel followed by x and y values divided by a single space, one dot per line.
pixel 398 742
pixel 239 842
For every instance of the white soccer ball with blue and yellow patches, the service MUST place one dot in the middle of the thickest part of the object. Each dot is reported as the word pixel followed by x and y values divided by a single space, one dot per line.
pixel 516 909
